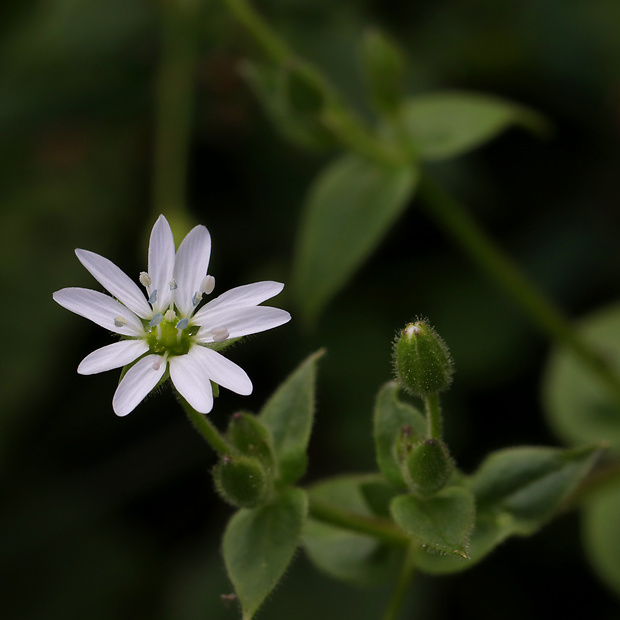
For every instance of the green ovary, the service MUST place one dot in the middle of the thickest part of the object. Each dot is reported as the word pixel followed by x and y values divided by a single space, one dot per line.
pixel 166 338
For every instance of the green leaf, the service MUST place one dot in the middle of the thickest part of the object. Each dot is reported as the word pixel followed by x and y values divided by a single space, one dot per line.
pixel 385 70
pixel 442 523
pixel 529 484
pixel 292 99
pixel 344 554
pixel 517 491
pixel 447 124
pixel 259 544
pixel 601 534
pixel 390 416
pixel 350 207
pixel 579 408
pixel 288 415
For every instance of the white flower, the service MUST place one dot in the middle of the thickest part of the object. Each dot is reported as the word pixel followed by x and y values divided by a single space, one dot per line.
pixel 168 329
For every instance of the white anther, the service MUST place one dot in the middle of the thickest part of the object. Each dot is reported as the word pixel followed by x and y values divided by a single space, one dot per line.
pixel 145 279
pixel 170 315
pixel 220 334
pixel 182 324
pixel 153 297
pixel 119 321
pixel 207 285
pixel 157 319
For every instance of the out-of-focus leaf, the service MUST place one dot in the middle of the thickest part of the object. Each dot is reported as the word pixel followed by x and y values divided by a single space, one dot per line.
pixel 579 407
pixel 447 124
pixel 601 534
pixel 350 207
pixel 292 101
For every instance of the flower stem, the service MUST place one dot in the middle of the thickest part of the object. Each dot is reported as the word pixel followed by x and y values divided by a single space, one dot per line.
pixel 273 46
pixel 402 585
pixel 449 214
pixel 174 106
pixel 433 416
pixel 208 431
pixel 382 529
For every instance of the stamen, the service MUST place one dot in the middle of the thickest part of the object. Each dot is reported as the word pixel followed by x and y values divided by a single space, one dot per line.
pixel 196 298
pixel 207 285
pixel 173 285
pixel 157 319
pixel 220 334
pixel 119 321
pixel 170 315
pixel 153 297
pixel 145 279
pixel 182 324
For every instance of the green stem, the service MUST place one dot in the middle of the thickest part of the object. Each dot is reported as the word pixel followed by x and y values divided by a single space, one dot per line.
pixel 273 46
pixel 382 529
pixel 433 416
pixel 208 431
pixel 174 106
pixel 449 214
pixel 402 585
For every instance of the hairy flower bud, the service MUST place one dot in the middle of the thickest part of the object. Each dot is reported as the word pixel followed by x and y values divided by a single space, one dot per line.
pixel 241 481
pixel 421 360
pixel 428 467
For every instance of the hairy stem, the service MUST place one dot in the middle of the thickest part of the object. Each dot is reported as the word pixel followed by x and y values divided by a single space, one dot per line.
pixel 382 529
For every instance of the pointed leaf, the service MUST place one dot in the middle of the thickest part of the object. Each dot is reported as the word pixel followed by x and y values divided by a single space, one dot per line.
pixel 390 416
pixel 350 207
pixel 259 544
pixel 288 415
pixel 517 491
pixel 579 407
pixel 344 554
pixel 529 484
pixel 442 523
pixel 444 125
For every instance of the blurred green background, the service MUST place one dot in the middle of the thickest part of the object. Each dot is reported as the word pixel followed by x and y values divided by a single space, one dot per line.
pixel 104 517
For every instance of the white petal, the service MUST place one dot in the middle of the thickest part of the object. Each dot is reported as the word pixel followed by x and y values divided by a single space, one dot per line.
pixel 112 356
pixel 192 381
pixel 100 309
pixel 242 321
pixel 116 282
pixel 192 372
pixel 161 263
pixel 140 379
pixel 242 297
pixel 191 264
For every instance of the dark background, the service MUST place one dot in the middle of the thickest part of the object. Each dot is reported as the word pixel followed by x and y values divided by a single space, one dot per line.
pixel 105 517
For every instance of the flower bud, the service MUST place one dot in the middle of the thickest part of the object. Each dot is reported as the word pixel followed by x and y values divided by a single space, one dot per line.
pixel 248 434
pixel 421 360
pixel 242 481
pixel 428 467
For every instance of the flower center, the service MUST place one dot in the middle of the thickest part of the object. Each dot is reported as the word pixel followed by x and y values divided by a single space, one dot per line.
pixel 168 335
